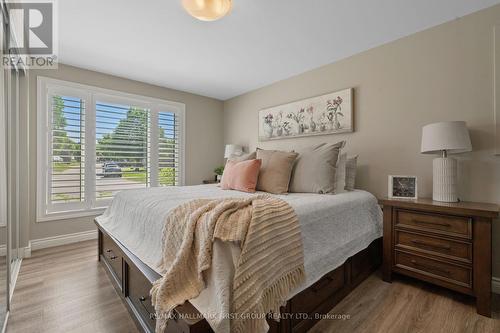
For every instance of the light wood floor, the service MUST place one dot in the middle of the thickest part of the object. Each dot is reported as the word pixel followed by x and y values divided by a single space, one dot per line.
pixel 407 305
pixel 65 289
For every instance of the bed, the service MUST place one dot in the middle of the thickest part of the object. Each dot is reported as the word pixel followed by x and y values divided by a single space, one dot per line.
pixel 340 233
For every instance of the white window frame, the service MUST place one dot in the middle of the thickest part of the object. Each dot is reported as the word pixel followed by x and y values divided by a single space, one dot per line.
pixel 47 211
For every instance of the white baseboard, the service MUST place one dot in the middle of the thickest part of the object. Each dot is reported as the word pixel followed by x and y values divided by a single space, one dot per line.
pixel 24 252
pixel 43 243
pixel 495 285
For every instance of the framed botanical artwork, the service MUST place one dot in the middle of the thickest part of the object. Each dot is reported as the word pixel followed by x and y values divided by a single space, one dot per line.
pixel 327 114
pixel 403 187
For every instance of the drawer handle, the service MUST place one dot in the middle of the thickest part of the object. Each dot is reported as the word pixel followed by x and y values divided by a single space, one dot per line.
pixel 108 250
pixel 113 257
pixel 437 246
pixel 321 284
pixel 416 263
pixel 443 224
pixel 143 299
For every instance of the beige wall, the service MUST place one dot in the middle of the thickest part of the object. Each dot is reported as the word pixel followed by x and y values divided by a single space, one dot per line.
pixel 204 141
pixel 445 73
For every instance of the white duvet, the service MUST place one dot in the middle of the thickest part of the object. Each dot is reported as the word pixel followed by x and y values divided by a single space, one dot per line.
pixel 334 228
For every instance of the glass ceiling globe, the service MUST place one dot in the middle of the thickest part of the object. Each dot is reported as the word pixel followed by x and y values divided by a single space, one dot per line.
pixel 207 10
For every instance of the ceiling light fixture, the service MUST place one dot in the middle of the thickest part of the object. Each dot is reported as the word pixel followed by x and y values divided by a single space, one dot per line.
pixel 207 10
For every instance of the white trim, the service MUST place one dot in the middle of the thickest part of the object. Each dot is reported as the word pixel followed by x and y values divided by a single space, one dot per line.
pixel 495 285
pixel 43 243
pixel 71 214
pixel 47 211
pixel 41 158
pixel 3 144
pixel 496 85
pixel 97 90
pixel 24 252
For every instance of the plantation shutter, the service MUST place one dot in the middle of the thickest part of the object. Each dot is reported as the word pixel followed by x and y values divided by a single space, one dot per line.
pixel 67 151
pixel 122 148
pixel 169 149
pixel 94 143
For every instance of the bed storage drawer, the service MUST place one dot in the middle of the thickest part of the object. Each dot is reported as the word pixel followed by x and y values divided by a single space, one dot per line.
pixel 310 299
pixel 113 257
pixel 369 259
pixel 137 293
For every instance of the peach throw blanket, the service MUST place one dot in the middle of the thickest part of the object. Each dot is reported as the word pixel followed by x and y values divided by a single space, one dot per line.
pixel 271 263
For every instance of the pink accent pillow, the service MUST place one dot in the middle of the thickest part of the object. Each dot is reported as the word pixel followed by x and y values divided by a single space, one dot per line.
pixel 241 176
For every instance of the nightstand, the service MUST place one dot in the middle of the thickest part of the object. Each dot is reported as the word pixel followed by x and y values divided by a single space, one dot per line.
pixel 211 181
pixel 447 244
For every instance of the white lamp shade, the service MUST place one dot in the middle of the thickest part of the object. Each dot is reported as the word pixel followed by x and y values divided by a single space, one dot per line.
pixel 451 136
pixel 233 150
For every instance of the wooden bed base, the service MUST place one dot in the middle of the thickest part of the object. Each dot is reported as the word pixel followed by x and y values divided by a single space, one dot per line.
pixel 132 280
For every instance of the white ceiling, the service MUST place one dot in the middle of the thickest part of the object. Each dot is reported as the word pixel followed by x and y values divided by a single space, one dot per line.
pixel 260 42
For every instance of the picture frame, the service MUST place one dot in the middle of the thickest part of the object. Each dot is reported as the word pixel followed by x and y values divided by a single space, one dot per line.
pixel 402 187
pixel 330 113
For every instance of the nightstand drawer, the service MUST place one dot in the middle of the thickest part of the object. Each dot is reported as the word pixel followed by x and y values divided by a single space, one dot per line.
pixel 441 224
pixel 456 250
pixel 433 268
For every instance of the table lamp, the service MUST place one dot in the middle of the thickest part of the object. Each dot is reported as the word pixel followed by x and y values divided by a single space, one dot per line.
pixel 232 151
pixel 449 137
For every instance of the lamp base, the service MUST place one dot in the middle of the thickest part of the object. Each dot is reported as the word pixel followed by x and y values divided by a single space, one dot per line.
pixel 444 187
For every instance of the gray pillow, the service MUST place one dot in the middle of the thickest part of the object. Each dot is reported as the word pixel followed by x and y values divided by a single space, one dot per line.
pixel 274 176
pixel 315 169
pixel 340 173
pixel 350 173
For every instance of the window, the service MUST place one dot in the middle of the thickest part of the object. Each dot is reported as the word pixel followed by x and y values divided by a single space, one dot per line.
pixel 93 143
pixel 66 149
pixel 122 148
pixel 168 150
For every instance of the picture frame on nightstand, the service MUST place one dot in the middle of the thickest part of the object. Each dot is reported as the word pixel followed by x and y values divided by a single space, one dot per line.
pixel 402 187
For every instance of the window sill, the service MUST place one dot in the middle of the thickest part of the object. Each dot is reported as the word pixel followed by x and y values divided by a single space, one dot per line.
pixel 70 215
